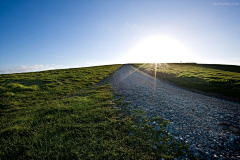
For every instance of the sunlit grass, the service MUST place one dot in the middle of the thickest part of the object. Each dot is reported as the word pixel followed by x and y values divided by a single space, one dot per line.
pixel 222 79
pixel 24 89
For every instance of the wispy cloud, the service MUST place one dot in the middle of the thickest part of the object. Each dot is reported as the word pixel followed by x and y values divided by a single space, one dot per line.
pixel 131 25
pixel 27 68
pixel 89 63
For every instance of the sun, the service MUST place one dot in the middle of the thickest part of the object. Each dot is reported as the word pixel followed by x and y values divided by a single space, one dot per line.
pixel 158 50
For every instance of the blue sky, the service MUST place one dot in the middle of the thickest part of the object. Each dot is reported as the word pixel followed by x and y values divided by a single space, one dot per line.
pixel 39 35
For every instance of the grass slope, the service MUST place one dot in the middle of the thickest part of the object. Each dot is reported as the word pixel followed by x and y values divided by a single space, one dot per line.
pixel 61 114
pixel 24 89
pixel 221 79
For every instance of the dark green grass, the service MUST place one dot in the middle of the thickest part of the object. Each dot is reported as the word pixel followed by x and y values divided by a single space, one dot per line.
pixel 230 68
pixel 221 79
pixel 51 115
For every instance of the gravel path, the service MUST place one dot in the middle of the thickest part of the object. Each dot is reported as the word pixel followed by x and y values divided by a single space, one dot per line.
pixel 210 125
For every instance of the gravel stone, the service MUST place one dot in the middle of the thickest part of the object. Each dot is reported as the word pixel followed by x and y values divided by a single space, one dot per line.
pixel 208 124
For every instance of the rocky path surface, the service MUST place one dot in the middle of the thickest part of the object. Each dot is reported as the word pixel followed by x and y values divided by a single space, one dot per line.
pixel 209 125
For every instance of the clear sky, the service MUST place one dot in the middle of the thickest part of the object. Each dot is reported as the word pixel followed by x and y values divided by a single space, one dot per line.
pixel 47 34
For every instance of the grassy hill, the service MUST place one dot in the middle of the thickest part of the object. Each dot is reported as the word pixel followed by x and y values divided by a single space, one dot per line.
pixel 65 114
pixel 24 89
pixel 222 81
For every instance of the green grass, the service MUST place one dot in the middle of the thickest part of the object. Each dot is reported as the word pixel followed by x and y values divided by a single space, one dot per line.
pixel 24 89
pixel 61 114
pixel 221 79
